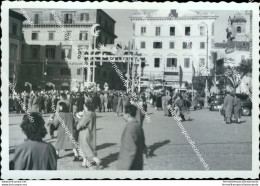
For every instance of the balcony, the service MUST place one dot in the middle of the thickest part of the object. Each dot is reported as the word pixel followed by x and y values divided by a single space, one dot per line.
pixel 171 69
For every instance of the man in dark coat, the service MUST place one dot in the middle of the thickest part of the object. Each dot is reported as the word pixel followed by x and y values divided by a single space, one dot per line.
pixel 80 103
pixel 229 103
pixel 132 142
pixel 237 109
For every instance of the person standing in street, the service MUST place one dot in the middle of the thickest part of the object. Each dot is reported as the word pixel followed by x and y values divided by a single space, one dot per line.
pixel 87 134
pixel 63 141
pixel 102 102
pixel 36 103
pixel 228 107
pixel 132 142
pixel 237 109
pixel 105 101
pixel 119 106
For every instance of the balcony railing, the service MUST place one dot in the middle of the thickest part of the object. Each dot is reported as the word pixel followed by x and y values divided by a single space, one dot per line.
pixel 171 68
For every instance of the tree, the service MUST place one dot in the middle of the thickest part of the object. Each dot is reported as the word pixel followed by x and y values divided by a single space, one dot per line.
pixel 235 75
pixel 199 84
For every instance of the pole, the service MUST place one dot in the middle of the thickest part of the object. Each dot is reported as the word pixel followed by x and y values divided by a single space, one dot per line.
pixel 140 70
pixel 163 73
pixel 88 70
pixel 206 87
pixel 128 65
pixel 94 59
pixel 133 67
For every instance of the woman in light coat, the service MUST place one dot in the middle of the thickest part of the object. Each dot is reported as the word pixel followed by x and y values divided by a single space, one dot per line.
pixel 87 134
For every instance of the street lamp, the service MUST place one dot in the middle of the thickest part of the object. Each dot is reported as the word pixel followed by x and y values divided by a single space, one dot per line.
pixel 45 62
pixel 206 86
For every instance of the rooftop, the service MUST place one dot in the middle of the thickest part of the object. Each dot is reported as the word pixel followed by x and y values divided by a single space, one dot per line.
pixel 174 13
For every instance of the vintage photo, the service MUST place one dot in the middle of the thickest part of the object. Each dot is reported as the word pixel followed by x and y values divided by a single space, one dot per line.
pixel 91 90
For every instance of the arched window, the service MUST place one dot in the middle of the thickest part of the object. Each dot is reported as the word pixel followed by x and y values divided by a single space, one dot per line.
pixel 238 29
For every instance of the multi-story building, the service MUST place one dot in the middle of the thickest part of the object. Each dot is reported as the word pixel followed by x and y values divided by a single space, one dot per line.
pixel 15 44
pixel 173 41
pixel 238 48
pixel 49 56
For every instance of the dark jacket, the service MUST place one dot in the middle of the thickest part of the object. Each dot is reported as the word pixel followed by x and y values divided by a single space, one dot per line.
pixel 132 146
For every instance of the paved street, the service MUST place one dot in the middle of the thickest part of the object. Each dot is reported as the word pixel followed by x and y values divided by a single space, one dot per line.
pixel 223 147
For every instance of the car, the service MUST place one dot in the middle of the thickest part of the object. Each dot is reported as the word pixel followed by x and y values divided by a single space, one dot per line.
pixel 246 104
pixel 216 101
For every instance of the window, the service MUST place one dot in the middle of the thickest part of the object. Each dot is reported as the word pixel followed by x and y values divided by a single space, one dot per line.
pixel 157 44
pixel 34 52
pixel 202 45
pixel 67 18
pixel 84 17
pixel 36 18
pixel 50 52
pixel 51 36
pixel 186 62
pixel 156 62
pixel 202 62
pixel 172 31
pixel 66 53
pixel 143 30
pixel 142 45
pixel 158 31
pixel 67 36
pixel 187 45
pixel 187 31
pixel 79 71
pixel 35 36
pixel 51 17
pixel 172 62
pixel 171 45
pixel 83 36
pixel 65 71
pixel 238 29
pixel 202 30
pixel 14 29
pixel 13 51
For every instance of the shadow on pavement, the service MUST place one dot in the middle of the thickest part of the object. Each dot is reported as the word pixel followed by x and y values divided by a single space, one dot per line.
pixel 105 145
pixel 155 146
pixel 109 159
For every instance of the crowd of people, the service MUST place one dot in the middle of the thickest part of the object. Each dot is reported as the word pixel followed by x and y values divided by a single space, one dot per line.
pixel 77 113
pixel 42 101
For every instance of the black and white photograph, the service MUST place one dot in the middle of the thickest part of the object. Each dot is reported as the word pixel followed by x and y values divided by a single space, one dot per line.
pixel 160 91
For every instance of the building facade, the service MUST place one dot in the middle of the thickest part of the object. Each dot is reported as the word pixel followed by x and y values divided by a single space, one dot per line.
pixel 50 58
pixel 238 48
pixel 173 43
pixel 15 45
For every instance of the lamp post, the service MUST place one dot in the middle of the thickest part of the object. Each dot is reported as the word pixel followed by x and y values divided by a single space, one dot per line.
pixel 206 86
pixel 44 73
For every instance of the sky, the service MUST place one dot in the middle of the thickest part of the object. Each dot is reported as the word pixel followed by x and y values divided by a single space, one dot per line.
pixel 123 28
